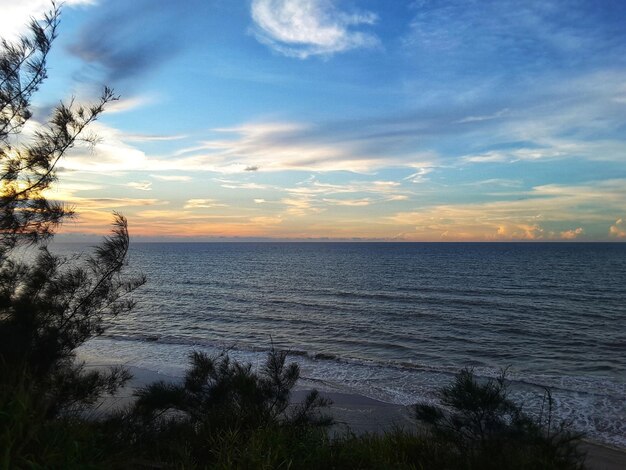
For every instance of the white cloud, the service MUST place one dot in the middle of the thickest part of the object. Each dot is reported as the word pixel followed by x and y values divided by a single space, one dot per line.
pixel 519 231
pixel 514 155
pixel 275 147
pixel 140 185
pixel 110 154
pixel 128 104
pixel 202 204
pixel 171 177
pixel 152 138
pixel 16 14
pixel 348 202
pixel 487 117
pixel 302 28
pixel 572 234
pixel 618 230
pixel 300 205
pixel 420 175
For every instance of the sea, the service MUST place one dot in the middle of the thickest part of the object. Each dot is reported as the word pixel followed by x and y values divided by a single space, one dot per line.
pixel 392 321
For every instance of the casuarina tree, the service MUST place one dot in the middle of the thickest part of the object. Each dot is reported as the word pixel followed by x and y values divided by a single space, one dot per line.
pixel 49 304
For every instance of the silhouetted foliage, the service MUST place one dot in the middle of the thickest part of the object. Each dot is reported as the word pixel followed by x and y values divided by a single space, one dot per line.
pixel 219 392
pixel 49 305
pixel 27 170
pixel 479 419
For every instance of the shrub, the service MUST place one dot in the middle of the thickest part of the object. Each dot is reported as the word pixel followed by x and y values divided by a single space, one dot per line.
pixel 219 391
pixel 486 428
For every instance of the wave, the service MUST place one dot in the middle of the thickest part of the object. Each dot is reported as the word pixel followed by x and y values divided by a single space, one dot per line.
pixel 591 385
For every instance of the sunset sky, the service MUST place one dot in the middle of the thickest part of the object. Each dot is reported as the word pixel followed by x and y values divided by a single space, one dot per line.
pixel 377 119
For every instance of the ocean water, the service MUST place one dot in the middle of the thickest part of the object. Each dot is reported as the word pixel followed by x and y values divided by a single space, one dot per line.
pixel 393 321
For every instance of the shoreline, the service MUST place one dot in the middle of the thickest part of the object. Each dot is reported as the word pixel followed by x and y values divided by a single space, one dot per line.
pixel 354 413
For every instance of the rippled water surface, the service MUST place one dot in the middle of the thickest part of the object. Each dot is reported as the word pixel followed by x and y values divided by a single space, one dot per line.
pixel 394 321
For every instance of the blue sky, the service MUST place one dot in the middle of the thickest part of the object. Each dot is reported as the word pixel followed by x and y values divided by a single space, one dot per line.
pixel 405 120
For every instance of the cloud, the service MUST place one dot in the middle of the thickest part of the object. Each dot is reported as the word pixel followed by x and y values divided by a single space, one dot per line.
pixel 276 146
pixel 506 37
pixel 110 154
pixel 420 175
pixel 618 229
pixel 301 205
pixel 16 15
pixel 572 234
pixel 383 190
pixel 127 104
pixel 519 231
pixel 303 28
pixel 527 217
pixel 398 197
pixel 111 203
pixel 543 124
pixel 514 155
pixel 140 185
pixel 176 178
pixel 422 141
pixel 265 220
pixel 489 117
pixel 202 204
pixel 348 202
pixel 124 40
pixel 152 137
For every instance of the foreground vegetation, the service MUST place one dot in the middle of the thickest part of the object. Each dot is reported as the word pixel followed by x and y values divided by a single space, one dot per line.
pixel 224 414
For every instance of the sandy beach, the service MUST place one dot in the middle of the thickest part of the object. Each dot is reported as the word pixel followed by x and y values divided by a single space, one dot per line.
pixel 358 414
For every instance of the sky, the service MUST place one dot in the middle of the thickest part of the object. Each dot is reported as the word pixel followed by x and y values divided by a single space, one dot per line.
pixel 428 120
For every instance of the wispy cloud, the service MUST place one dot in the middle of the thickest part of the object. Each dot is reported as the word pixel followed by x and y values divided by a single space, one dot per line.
pixel 488 117
pixel 128 104
pixel 349 202
pixel 508 36
pixel 153 137
pixel 301 205
pixel 140 185
pixel 174 178
pixel 420 175
pixel 298 146
pixel 129 39
pixel 546 127
pixel 302 28
pixel 202 204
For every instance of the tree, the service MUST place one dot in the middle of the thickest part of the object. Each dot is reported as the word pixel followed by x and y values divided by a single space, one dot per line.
pixel 50 305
